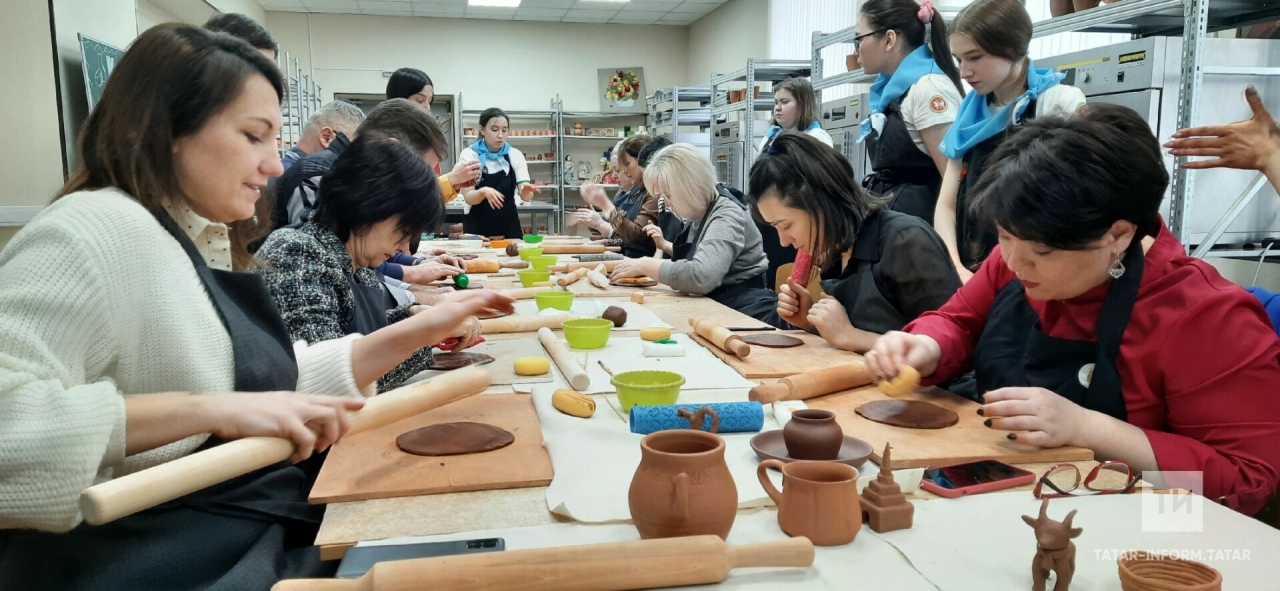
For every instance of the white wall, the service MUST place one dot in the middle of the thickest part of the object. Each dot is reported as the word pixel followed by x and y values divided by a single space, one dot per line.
pixel 513 65
pixel 249 8
pixel 150 15
pixel 721 41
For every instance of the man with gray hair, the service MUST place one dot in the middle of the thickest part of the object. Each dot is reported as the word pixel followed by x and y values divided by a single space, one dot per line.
pixel 322 128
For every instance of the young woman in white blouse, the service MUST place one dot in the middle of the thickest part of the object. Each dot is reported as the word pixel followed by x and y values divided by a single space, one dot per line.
pixel 503 174
pixel 154 346
pixel 795 108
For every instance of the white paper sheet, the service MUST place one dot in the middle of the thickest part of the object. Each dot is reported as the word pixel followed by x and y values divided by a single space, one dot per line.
pixel 701 369
pixel 638 316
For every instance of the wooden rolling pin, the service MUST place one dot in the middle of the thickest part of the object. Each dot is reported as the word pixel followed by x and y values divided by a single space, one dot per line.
pixel 720 337
pixel 579 249
pixel 572 277
pixel 573 372
pixel 482 266
pixel 812 384
pixel 523 293
pixel 566 267
pixel 522 323
pixel 144 489
pixel 646 564
pixel 597 277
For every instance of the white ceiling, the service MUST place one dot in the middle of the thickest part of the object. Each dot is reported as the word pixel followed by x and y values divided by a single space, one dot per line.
pixel 633 12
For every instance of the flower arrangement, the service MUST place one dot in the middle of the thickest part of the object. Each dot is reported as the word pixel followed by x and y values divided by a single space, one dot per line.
pixel 623 87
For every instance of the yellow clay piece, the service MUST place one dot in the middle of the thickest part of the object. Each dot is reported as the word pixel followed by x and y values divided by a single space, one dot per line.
pixel 532 366
pixel 905 383
pixel 573 403
pixel 655 333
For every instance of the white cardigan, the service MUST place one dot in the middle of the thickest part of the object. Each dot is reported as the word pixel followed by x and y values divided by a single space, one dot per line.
pixel 98 300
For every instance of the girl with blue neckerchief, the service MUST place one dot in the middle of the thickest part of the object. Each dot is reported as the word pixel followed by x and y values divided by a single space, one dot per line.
pixel 989 40
pixel 914 100
pixel 504 173
pixel 795 108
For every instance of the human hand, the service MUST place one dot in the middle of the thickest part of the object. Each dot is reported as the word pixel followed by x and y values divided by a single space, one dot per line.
pixel 830 318
pixel 528 190
pixel 464 174
pixel 895 349
pixel 493 196
pixel 594 195
pixel 434 252
pixel 641 267
pixel 311 422
pixel 429 271
pixel 455 316
pixel 447 259
pixel 794 302
pixel 1251 144
pixel 1040 417
pixel 591 219
pixel 655 233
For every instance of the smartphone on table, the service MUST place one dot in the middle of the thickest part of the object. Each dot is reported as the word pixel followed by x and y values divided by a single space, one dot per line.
pixel 967 478
pixel 358 560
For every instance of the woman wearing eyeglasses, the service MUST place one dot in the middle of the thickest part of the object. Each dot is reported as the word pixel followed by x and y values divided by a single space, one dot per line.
pixel 1089 325
pixel 913 101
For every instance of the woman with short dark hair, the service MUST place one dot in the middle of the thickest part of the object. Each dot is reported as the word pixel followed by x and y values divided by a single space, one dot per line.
pixel 246 29
pixel 378 195
pixel 1090 326
pixel 412 84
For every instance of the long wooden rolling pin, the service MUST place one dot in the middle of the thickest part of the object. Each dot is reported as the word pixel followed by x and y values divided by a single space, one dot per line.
pixel 523 293
pixel 812 384
pixel 646 564
pixel 573 372
pixel 579 249
pixel 566 267
pixel 720 337
pixel 144 489
pixel 522 323
pixel 572 277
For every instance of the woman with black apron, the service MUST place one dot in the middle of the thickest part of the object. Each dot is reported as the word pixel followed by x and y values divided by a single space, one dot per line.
pixel 503 173
pixel 990 40
pixel 1089 325
pixel 630 211
pixel 881 268
pixel 913 101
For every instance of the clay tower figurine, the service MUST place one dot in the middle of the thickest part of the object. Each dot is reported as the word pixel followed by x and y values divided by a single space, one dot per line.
pixel 1054 549
pixel 884 507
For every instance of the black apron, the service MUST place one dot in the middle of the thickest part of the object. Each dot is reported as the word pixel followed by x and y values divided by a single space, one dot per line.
pixel 855 287
pixel 751 297
pixel 243 534
pixel 974 239
pixel 1012 352
pixel 902 172
pixel 484 220
pixel 629 202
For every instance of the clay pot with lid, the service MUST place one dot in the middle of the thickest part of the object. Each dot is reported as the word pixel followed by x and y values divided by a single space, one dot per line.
pixel 683 486
pixel 813 434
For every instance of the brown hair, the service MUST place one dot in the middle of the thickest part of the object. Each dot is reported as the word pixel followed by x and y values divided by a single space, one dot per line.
pixel 169 83
pixel 407 122
pixel 631 148
pixel 806 102
pixel 1001 28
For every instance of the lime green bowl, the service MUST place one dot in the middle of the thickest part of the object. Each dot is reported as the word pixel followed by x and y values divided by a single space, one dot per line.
pixel 647 388
pixel 560 300
pixel 543 261
pixel 532 239
pixel 528 277
pixel 529 253
pixel 587 333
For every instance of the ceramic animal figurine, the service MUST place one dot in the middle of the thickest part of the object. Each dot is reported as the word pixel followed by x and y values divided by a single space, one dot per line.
pixel 884 507
pixel 1054 549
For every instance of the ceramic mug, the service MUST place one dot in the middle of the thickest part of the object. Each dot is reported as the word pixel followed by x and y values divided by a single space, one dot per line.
pixel 819 500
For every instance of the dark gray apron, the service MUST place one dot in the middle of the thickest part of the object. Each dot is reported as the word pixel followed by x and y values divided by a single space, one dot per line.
pixel 484 220
pixel 902 171
pixel 974 239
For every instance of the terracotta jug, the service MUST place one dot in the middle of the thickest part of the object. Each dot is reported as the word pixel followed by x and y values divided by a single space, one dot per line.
pixel 682 487
pixel 819 500
pixel 813 434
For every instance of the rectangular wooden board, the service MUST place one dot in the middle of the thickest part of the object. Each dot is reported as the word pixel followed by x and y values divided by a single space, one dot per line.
pixel 505 352
pixel 586 289
pixel 764 362
pixel 370 465
pixel 965 441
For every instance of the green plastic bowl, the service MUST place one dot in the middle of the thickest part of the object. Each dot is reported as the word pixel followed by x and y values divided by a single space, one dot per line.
pixel 647 388
pixel 529 253
pixel 543 261
pixel 587 333
pixel 528 277
pixel 560 300
pixel 532 239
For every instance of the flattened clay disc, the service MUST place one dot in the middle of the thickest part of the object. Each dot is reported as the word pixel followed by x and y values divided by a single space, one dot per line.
pixel 452 439
pixel 910 414
pixel 450 361
pixel 775 341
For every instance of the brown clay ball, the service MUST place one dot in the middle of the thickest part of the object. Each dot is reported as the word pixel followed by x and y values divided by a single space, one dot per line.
pixel 616 315
pixel 513 250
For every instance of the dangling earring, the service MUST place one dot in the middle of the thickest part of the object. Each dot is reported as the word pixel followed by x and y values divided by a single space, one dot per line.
pixel 1117 268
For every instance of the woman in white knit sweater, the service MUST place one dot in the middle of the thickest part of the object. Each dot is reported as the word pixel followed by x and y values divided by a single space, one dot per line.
pixel 101 363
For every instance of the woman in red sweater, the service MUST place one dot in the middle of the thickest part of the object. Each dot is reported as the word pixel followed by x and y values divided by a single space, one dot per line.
pixel 1089 326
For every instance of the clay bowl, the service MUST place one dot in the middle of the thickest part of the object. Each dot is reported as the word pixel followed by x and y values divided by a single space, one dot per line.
pixel 646 387
pixel 769 446
pixel 1162 573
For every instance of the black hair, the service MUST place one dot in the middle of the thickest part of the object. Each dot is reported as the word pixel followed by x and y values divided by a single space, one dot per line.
pixel 492 113
pixel 242 27
pixel 407 122
pixel 903 16
pixel 407 82
pixel 651 148
pixel 375 180
pixel 809 175
pixel 1064 182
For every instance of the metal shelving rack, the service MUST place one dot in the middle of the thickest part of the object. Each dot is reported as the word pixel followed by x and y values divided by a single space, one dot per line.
pixel 303 99
pixel 605 142
pixel 757 70
pixel 677 116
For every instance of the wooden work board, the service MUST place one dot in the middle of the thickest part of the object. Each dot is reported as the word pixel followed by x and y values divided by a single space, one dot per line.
pixel 369 465
pixel 584 288
pixel 919 448
pixel 505 352
pixel 765 362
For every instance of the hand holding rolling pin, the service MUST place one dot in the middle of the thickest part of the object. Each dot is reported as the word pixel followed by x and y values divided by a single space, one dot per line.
pixel 312 423
pixel 794 302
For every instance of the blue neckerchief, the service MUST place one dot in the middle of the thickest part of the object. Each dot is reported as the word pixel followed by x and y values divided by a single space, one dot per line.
pixel 774 131
pixel 483 152
pixel 887 89
pixel 975 123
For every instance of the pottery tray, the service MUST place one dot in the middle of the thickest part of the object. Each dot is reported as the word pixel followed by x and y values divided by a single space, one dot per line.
pixel 764 362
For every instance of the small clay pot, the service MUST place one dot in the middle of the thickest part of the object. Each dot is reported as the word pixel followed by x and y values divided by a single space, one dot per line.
pixel 819 500
pixel 813 434
pixel 683 486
